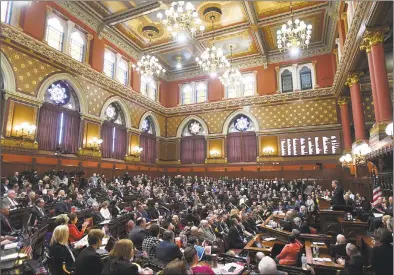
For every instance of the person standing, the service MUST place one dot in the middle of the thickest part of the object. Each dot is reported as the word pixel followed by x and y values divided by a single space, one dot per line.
pixel 337 198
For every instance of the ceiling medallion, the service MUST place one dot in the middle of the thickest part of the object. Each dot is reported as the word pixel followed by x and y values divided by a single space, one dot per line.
pixel 231 77
pixel 182 20
pixel 294 36
pixel 150 32
pixel 149 64
pixel 213 60
pixel 212 12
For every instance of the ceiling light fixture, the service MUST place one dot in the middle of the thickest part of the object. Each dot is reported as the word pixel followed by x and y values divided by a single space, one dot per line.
pixel 213 60
pixel 182 18
pixel 178 62
pixel 294 36
pixel 149 64
pixel 231 77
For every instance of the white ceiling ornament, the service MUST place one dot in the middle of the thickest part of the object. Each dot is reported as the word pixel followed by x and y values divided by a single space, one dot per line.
pixel 58 94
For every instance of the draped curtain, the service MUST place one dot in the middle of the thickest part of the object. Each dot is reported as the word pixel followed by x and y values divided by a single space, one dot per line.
pixel 48 126
pixel 148 143
pixel 120 143
pixel 106 136
pixel 241 147
pixel 193 149
pixel 71 124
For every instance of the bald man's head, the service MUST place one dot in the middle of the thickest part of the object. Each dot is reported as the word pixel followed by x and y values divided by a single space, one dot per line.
pixel 341 239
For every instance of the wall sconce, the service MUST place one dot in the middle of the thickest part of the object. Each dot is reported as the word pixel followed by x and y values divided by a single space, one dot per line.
pixel 346 160
pixel 389 130
pixel 214 154
pixel 24 130
pixel 95 143
pixel 136 151
pixel 359 153
pixel 268 151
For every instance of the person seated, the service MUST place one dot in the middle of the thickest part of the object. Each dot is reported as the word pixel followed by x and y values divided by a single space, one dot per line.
pixel 382 254
pixel 60 252
pixel 79 202
pixel 89 261
pixel 142 213
pixel 167 250
pixel 235 237
pixel 289 253
pixel 296 234
pixel 301 226
pixel 114 209
pixel 129 226
pixel 9 200
pixel 96 215
pixel 138 233
pixel 267 266
pixel 74 234
pixel 339 249
pixel 355 263
pixel 286 223
pixel 149 243
pixel 176 267
pixel 37 212
pixel 6 227
pixel 62 206
pixel 104 211
pixel 206 233
pixel 118 262
pixel 390 225
pixel 348 201
pixel 192 259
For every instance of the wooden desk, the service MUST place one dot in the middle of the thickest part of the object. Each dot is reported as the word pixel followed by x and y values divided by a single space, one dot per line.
pixel 321 267
pixel 366 243
pixel 282 235
pixel 266 245
pixel 329 220
pixel 324 204
pixel 351 229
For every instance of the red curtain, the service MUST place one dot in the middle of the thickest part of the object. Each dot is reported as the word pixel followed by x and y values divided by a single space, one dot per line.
pixel 106 135
pixel 48 126
pixel 241 147
pixel 193 149
pixel 71 124
pixel 148 143
pixel 120 143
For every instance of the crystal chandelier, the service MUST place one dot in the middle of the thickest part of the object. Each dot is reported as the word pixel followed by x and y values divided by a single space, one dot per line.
pixel 293 36
pixel 231 77
pixel 213 60
pixel 181 18
pixel 149 64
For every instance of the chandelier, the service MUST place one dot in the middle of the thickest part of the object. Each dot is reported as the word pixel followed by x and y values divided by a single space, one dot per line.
pixel 231 77
pixel 293 36
pixel 360 151
pixel 181 18
pixel 213 59
pixel 149 64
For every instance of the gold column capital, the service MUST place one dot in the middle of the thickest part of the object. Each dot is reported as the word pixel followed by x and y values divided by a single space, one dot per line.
pixel 353 78
pixel 49 9
pixel 344 15
pixel 277 68
pixel 343 100
pixel 376 35
pixel 365 45
pixel 89 37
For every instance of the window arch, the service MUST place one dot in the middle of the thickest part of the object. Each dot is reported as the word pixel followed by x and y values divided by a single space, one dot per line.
pixel 55 32
pixel 247 86
pixel 193 128
pixel 77 45
pixel 193 143
pixel 149 87
pixel 114 134
pixel 241 123
pixel 59 119
pixel 148 126
pixel 305 78
pixel 287 81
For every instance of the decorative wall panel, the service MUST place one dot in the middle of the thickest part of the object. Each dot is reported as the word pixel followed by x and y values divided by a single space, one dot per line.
pixel 299 114
pixel 136 113
pixel 162 124
pixel 95 96
pixel 215 120
pixel 173 124
pixel 369 110
pixel 29 72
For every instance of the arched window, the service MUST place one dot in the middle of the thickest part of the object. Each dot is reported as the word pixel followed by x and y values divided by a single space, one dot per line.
pixel 55 32
pixel 77 45
pixel 109 63
pixel 241 140
pixel 193 92
pixel 149 87
pixel 201 92
pixel 148 141
pixel 193 143
pixel 113 132
pixel 123 71
pixel 246 87
pixel 305 78
pixel 59 121
pixel 186 92
pixel 6 11
pixel 287 81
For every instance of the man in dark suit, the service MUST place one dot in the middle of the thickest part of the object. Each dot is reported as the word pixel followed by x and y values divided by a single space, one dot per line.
pixel 142 213
pixel 339 249
pixel 48 197
pixel 5 186
pixel 167 250
pixel 301 226
pixel 235 238
pixel 382 255
pixel 62 207
pixel 138 233
pixel 337 198
pixel 79 202
pixel 37 212
pixel 6 227
pixel 89 261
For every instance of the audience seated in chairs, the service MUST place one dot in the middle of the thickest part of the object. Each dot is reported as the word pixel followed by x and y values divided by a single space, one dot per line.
pixel 138 233
pixel 355 263
pixel 191 257
pixel 74 234
pixel 288 255
pixel 338 250
pixel 6 227
pixel 302 226
pixel 104 211
pixel 61 255
pixel 119 259
pixel 149 243
pixel 89 261
pixel 167 250
pixel 235 238
pixel 382 254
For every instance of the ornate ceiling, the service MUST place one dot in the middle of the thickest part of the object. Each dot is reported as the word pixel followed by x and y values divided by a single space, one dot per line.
pixel 248 26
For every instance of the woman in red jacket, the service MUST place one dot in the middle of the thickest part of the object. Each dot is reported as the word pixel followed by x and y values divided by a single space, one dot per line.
pixel 289 253
pixel 74 234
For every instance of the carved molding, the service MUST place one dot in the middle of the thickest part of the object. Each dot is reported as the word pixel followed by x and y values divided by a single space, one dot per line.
pixel 89 153
pixel 132 159
pixel 19 144
pixel 215 160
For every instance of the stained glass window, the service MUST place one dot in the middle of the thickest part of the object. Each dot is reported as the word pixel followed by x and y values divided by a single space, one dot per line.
pixel 201 91
pixel 109 63
pixel 77 45
pixel 55 33
pixel 306 78
pixel 287 81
